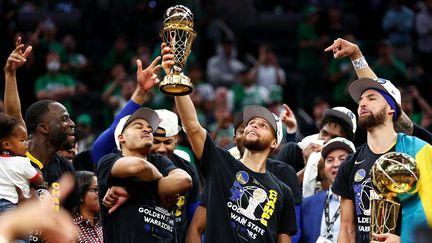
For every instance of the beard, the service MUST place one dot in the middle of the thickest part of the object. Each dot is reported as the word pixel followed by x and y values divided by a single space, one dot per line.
pixel 372 120
pixel 254 145
pixel 141 145
pixel 61 142
pixel 148 144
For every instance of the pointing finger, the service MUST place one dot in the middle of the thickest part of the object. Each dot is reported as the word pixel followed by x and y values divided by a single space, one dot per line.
pixel 27 51
pixel 155 62
pixel 18 48
pixel 288 109
pixel 156 69
pixel 139 65
pixel 18 41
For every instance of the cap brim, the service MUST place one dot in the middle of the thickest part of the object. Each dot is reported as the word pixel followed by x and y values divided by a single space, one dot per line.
pixel 338 114
pixel 148 115
pixel 253 111
pixel 357 88
pixel 335 145
pixel 170 134
pixel 238 119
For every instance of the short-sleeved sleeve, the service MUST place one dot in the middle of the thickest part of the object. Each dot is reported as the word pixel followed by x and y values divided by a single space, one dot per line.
pixel 104 168
pixel 27 170
pixel 292 155
pixel 287 175
pixel 288 223
pixel 210 149
pixel 422 133
pixel 192 171
pixel 194 192
pixel 162 163
pixel 291 180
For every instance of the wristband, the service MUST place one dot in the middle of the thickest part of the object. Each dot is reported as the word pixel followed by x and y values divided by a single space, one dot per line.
pixel 359 63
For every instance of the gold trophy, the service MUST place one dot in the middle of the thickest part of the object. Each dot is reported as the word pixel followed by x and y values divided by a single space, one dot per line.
pixel 178 34
pixel 394 177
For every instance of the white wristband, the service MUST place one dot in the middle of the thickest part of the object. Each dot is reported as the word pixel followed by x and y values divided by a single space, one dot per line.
pixel 360 63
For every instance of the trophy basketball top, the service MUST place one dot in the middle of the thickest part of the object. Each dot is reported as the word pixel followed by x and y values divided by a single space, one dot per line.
pixel 178 17
pixel 178 14
pixel 178 33
pixel 394 174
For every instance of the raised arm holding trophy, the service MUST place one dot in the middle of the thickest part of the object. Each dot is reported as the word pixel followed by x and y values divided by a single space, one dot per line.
pixel 379 107
pixel 178 34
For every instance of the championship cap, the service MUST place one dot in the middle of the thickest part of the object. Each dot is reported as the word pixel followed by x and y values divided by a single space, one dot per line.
pixel 337 143
pixel 253 111
pixel 344 114
pixel 168 121
pixel 357 88
pixel 143 113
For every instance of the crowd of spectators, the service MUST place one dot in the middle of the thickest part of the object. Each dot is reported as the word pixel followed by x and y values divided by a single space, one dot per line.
pixel 84 53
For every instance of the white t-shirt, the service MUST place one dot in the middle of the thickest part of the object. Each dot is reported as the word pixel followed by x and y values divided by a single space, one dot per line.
pixel 267 75
pixel 15 171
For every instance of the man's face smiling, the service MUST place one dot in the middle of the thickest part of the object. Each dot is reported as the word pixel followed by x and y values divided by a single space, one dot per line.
pixel 61 128
pixel 332 163
pixel 331 130
pixel 259 135
pixel 164 145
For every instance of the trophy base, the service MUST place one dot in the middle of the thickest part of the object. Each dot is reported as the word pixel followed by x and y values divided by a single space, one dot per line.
pixel 176 85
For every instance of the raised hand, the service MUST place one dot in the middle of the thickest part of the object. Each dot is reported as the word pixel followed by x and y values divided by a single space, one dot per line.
pixel 312 147
pixel 288 118
pixel 167 58
pixel 17 58
pixel 147 78
pixel 343 48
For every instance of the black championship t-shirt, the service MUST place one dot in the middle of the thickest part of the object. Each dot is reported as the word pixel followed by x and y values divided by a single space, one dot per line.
pixel 190 196
pixel 353 182
pixel 242 205
pixel 52 172
pixel 291 154
pixel 139 219
pixel 286 174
